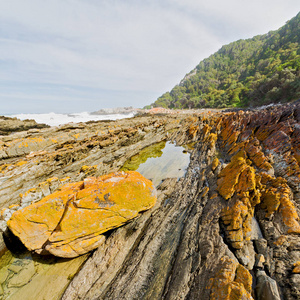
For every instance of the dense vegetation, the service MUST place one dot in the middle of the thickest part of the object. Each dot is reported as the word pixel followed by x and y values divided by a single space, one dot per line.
pixel 252 72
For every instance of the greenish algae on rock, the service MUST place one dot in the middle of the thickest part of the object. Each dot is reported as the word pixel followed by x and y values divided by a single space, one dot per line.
pixel 26 276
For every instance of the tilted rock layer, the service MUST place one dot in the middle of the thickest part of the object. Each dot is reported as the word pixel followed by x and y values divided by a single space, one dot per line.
pixel 70 222
pixel 228 230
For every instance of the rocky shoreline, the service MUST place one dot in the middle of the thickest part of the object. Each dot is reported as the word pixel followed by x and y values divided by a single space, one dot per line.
pixel 11 125
pixel 230 226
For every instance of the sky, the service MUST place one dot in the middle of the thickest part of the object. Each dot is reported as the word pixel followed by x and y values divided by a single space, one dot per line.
pixel 69 56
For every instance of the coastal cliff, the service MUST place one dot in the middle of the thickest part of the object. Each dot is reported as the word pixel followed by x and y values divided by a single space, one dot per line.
pixel 228 229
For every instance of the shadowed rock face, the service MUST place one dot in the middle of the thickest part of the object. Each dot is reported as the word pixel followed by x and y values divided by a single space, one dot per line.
pixel 70 222
pixel 229 226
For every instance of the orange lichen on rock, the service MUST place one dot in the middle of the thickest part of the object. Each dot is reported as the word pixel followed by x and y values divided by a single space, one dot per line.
pixel 70 221
pixel 277 197
pixel 193 129
pixel 215 163
pixel 280 241
pixel 206 129
pixel 239 182
pixel 21 163
pixel 89 170
pixel 296 267
pixel 232 281
pixel 237 219
pixel 229 176
pixel 212 139
pixel 255 153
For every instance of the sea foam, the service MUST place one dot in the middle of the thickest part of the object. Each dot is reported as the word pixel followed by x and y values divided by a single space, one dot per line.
pixel 54 119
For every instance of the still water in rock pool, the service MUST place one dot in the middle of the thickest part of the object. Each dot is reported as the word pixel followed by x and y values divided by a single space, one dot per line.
pixel 26 276
pixel 159 161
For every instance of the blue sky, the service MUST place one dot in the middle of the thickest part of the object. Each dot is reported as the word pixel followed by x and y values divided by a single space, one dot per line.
pixel 83 55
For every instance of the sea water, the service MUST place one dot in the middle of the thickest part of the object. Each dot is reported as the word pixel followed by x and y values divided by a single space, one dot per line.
pixel 54 119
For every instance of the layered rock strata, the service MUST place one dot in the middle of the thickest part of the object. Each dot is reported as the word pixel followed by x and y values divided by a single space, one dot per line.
pixel 228 230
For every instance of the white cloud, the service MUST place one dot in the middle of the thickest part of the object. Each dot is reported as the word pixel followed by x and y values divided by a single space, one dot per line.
pixel 137 47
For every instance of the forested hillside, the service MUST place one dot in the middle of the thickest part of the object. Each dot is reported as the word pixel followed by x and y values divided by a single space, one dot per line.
pixel 245 73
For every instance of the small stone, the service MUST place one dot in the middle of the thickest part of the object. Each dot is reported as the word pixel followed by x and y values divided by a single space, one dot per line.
pixel 259 260
pixel 15 268
pixel 246 255
pixel 23 276
pixel 295 279
pixel 3 274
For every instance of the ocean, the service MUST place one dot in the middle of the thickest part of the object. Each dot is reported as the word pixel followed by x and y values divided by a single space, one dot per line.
pixel 54 119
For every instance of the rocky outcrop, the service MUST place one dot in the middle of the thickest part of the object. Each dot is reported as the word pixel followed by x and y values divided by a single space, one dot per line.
pixel 116 110
pixel 70 222
pixel 10 125
pixel 229 227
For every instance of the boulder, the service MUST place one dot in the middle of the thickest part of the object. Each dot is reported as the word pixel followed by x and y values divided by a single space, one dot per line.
pixel 71 221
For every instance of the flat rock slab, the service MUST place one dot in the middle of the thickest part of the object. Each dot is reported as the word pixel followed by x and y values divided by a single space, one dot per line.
pixel 71 221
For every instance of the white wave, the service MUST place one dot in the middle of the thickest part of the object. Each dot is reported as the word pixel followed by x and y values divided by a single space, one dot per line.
pixel 54 119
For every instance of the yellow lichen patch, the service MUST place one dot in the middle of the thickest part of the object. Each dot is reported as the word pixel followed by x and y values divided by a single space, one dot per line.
pixel 65 179
pixel 69 222
pixel 21 163
pixel 238 222
pixel 277 197
pixel 229 176
pixel 215 163
pixel 239 180
pixel 205 191
pixel 255 153
pixel 76 136
pixel 232 281
pixel 206 129
pixel 89 170
pixel 33 190
pixel 35 223
pixel 280 241
pixel 2 213
pixel 4 167
pixel 193 129
pixel 289 214
pixel 52 179
pixel 14 206
pixel 293 168
pixel 296 267
pixel 212 139
pixel 213 196
pixel 244 277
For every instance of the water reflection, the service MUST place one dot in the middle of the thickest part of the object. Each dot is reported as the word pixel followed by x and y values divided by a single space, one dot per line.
pixel 159 161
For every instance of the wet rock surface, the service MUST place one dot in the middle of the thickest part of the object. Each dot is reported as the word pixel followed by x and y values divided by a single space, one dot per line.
pixel 229 227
